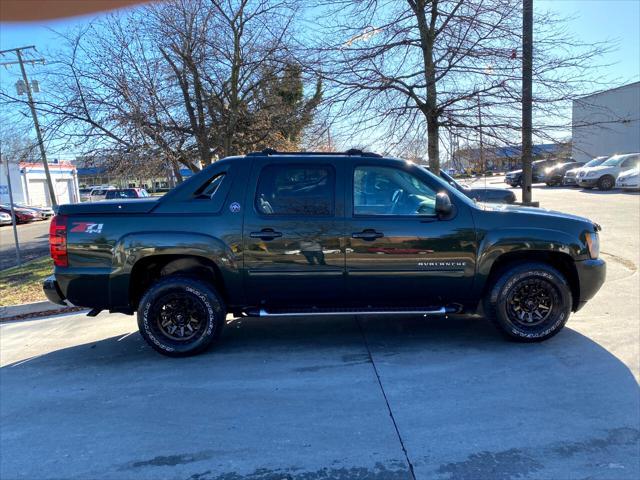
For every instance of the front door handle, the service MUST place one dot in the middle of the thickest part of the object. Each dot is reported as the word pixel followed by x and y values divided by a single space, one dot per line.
pixel 368 234
pixel 266 234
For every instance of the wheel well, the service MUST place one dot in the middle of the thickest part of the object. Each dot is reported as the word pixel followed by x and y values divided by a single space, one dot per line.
pixel 148 270
pixel 560 261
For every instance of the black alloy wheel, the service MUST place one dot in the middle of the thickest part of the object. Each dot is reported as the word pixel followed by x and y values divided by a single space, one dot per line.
pixel 529 301
pixel 180 316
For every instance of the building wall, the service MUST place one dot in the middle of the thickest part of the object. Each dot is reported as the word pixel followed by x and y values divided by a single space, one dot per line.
pixel 16 184
pixel 607 123
pixel 28 182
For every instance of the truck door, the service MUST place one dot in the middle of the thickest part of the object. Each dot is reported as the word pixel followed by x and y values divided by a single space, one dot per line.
pixel 294 232
pixel 399 253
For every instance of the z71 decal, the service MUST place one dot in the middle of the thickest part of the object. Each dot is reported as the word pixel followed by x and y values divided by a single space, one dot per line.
pixel 86 227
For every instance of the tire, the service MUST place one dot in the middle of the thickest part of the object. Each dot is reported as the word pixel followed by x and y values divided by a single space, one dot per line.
pixel 504 302
pixel 164 325
pixel 607 182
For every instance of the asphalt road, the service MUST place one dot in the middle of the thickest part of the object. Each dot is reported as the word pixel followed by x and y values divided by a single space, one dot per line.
pixel 33 239
pixel 339 398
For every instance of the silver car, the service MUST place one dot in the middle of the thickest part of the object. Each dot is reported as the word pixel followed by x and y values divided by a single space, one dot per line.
pixel 571 176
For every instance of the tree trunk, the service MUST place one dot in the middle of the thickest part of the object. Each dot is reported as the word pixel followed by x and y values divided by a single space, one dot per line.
pixel 430 109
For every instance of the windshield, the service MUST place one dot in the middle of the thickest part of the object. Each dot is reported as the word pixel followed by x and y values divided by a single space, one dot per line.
pixel 595 162
pixel 612 162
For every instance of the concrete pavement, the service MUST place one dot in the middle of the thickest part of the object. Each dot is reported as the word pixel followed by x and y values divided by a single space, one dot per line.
pixel 339 398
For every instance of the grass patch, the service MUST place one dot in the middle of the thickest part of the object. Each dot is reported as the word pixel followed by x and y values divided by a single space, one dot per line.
pixel 23 284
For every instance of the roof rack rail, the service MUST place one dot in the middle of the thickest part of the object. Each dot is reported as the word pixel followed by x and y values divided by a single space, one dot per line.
pixel 350 152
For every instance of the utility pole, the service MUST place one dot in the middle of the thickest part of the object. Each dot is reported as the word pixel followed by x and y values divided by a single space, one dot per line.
pixel 34 114
pixel 527 98
pixel 483 167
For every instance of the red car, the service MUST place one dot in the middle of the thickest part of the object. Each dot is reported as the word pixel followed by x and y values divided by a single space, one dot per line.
pixel 23 215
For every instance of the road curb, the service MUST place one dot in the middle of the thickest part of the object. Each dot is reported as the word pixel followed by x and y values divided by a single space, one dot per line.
pixel 32 310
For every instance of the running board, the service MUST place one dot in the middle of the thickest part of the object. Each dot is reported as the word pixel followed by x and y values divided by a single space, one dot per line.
pixel 318 313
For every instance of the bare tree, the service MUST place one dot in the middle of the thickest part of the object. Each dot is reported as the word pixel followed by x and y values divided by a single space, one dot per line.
pixel 424 65
pixel 181 83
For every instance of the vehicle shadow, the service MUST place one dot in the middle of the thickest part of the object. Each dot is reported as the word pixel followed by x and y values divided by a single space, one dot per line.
pixel 595 191
pixel 465 400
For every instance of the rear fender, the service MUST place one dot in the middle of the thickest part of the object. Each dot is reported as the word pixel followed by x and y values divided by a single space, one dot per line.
pixel 134 247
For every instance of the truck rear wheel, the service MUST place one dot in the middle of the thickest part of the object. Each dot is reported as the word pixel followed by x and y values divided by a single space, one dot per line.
pixel 180 316
pixel 529 302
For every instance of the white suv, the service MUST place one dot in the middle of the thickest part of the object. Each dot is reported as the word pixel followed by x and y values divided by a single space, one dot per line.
pixel 99 193
pixel 604 175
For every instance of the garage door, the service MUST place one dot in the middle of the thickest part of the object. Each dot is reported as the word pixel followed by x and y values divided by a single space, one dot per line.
pixel 38 193
pixel 64 191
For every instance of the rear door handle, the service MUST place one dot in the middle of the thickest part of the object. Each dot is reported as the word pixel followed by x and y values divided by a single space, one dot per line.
pixel 266 234
pixel 368 234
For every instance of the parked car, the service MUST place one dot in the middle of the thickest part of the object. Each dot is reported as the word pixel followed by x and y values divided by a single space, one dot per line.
pixel 604 175
pixel 45 212
pixel 305 234
pixel 5 219
pixel 122 193
pixel 569 178
pixel 514 177
pixel 482 194
pixel 98 193
pixel 629 180
pixel 554 174
pixel 23 215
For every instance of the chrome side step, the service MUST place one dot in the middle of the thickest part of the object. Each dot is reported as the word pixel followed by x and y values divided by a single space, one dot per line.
pixel 264 313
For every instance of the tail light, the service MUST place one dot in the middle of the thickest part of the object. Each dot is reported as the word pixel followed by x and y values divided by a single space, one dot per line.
pixel 58 241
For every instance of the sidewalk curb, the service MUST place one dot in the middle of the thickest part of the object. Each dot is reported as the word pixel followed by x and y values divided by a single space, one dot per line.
pixel 32 310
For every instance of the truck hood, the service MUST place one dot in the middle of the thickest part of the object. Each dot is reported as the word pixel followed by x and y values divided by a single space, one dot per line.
pixel 108 207
pixel 536 212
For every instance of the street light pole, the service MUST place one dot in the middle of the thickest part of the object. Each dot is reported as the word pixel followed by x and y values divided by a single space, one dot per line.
pixel 34 115
pixel 527 98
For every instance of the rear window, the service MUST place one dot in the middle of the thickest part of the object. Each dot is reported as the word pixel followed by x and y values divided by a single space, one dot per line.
pixel 290 189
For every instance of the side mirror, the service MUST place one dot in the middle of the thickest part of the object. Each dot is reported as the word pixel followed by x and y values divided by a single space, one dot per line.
pixel 443 204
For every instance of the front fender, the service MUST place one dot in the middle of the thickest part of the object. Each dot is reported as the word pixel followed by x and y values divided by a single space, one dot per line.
pixel 133 247
pixel 499 242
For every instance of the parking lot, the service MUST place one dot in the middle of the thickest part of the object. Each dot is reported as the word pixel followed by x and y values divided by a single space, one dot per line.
pixel 340 398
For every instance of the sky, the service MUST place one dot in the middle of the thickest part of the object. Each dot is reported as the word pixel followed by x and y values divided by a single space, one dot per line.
pixel 591 21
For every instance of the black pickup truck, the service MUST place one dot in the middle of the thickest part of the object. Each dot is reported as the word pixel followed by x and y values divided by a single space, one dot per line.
pixel 297 234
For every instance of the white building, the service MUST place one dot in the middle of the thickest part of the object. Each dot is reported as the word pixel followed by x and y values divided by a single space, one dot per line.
pixel 29 184
pixel 607 123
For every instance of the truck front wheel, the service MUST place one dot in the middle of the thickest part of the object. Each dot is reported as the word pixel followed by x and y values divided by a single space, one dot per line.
pixel 180 316
pixel 529 302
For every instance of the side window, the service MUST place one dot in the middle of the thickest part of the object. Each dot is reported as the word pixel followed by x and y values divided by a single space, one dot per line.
pixel 296 190
pixel 390 191
pixel 630 162
pixel 209 189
